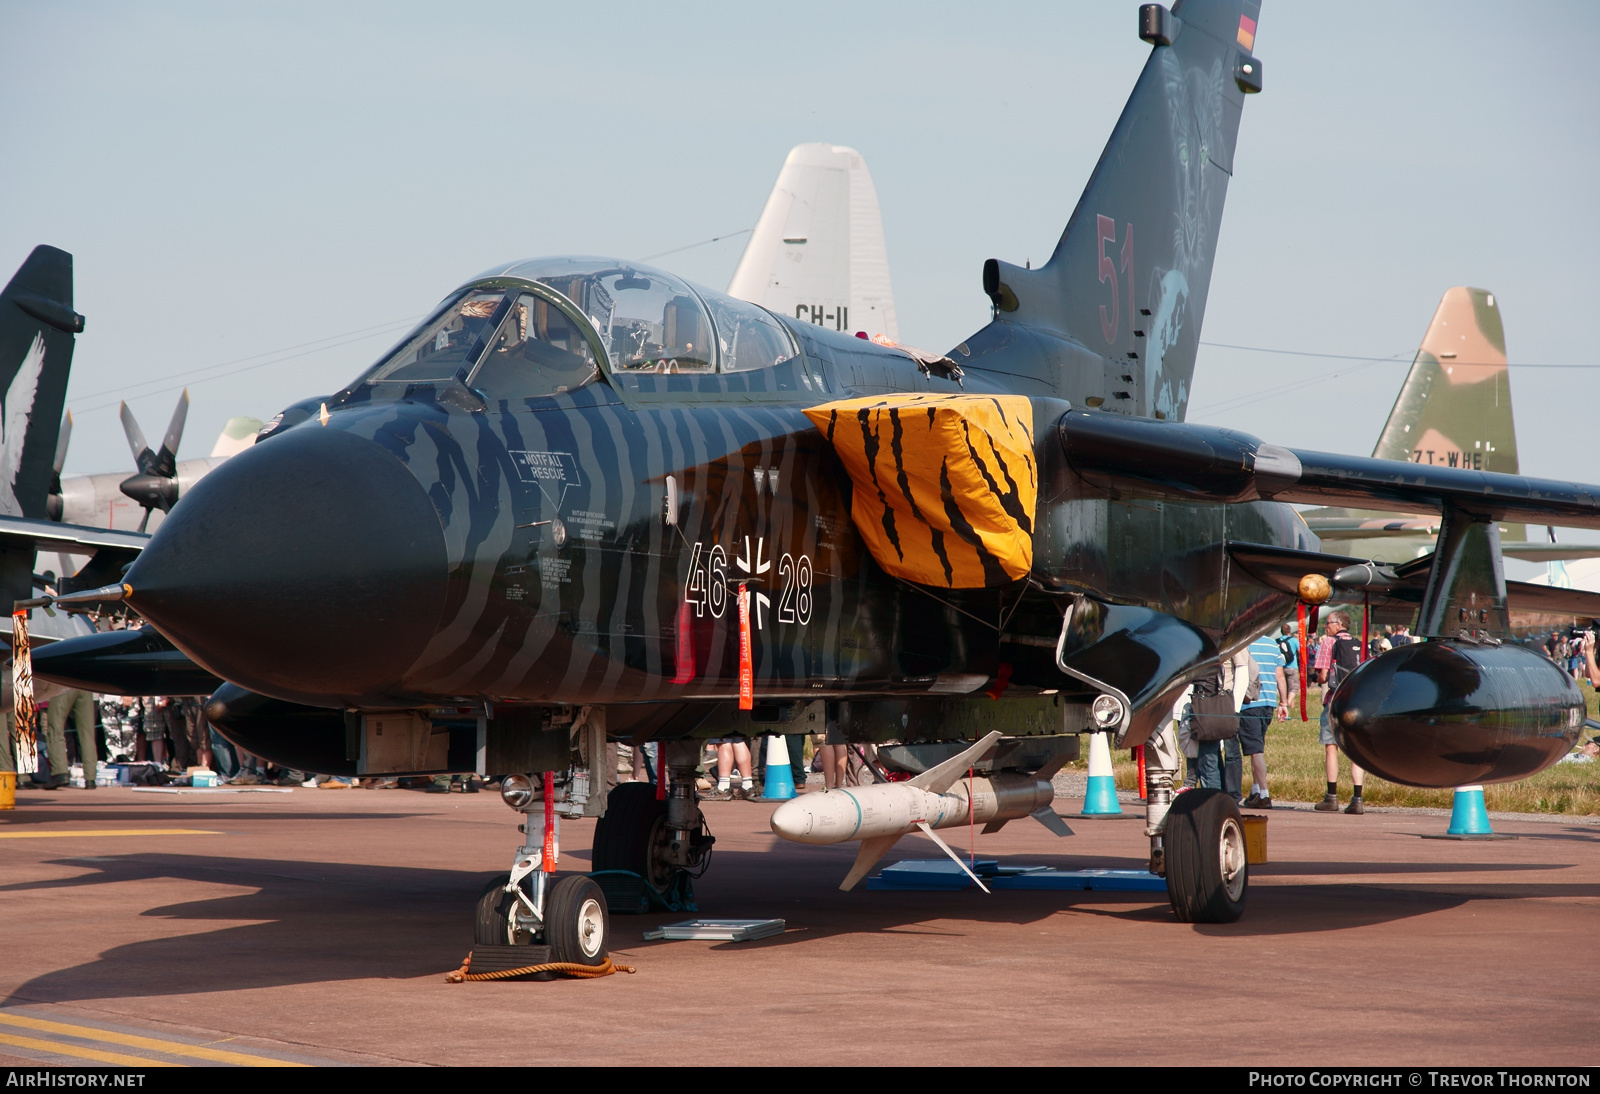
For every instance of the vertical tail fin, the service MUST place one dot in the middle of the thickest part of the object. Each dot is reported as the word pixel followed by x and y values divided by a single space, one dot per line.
pixel 1128 280
pixel 1455 406
pixel 817 253
pixel 37 324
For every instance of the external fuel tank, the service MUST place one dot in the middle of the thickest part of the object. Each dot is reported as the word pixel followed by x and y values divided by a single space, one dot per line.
pixel 1448 713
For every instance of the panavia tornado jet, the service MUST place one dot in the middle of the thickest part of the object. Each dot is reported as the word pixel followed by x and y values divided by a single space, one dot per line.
pixel 589 501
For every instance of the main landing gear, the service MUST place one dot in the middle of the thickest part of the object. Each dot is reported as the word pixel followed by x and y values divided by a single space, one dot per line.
pixel 1196 840
pixel 1207 877
pixel 648 851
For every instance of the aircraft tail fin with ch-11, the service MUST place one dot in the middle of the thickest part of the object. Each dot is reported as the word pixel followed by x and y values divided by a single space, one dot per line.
pixel 586 500
pixel 817 252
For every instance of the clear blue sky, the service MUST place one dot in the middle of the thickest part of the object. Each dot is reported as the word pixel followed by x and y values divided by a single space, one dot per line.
pixel 237 179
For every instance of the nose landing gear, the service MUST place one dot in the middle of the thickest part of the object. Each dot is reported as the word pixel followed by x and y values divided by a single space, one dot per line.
pixel 566 918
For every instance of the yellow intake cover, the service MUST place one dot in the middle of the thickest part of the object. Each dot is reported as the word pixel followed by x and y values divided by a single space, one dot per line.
pixel 945 485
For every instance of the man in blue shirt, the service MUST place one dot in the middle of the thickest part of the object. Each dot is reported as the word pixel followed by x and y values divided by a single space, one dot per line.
pixel 1268 686
pixel 1289 647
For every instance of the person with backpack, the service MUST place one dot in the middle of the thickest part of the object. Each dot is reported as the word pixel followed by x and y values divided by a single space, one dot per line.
pixel 1289 647
pixel 1338 654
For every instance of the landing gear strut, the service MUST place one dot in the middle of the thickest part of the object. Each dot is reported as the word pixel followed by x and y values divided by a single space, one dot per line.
pixel 664 844
pixel 530 907
pixel 567 916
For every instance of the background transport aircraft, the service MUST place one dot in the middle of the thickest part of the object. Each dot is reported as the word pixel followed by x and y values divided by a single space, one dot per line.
pixel 587 500
pixel 1454 410
pixel 140 501
pixel 817 252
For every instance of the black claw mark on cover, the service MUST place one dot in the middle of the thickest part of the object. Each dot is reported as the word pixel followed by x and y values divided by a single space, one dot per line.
pixel 897 450
pixel 944 557
pixel 870 446
pixel 993 575
pixel 1009 498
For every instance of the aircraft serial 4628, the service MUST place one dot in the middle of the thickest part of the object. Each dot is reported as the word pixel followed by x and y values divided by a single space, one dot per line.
pixel 587 501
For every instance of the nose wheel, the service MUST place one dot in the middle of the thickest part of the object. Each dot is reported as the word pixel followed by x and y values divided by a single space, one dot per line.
pixel 497 922
pixel 577 925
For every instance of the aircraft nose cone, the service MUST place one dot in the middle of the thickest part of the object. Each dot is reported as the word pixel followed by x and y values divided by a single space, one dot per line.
pixel 311 568
pixel 792 820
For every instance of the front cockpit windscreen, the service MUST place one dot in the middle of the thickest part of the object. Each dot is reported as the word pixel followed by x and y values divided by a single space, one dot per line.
pixel 537 351
pixel 648 321
pixel 447 346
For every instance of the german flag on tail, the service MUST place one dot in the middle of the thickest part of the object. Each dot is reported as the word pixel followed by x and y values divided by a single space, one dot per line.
pixel 945 485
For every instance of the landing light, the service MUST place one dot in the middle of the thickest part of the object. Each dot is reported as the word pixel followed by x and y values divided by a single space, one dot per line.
pixel 1107 711
pixel 517 791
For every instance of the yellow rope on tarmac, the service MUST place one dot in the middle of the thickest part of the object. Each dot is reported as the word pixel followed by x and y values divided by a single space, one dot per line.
pixel 564 968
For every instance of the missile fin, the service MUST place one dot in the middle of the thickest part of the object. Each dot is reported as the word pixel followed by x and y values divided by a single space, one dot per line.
pixel 936 780
pixel 871 851
pixel 1047 816
pixel 1048 771
pixel 994 826
pixel 934 836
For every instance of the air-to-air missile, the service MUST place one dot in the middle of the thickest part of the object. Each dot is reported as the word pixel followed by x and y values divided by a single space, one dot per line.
pixel 944 796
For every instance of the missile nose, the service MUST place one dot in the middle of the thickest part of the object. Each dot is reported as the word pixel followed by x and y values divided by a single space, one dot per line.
pixel 311 568
pixel 792 820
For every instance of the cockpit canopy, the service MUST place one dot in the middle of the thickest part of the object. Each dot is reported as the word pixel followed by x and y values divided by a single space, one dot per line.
pixel 511 343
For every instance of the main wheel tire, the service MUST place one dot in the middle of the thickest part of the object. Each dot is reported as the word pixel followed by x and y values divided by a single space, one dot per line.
pixel 577 924
pixel 631 836
pixel 493 925
pixel 1207 875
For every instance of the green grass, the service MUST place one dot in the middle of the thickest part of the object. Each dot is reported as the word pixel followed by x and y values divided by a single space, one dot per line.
pixel 1295 772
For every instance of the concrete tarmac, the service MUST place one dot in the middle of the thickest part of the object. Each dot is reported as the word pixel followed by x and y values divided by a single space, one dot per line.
pixel 316 927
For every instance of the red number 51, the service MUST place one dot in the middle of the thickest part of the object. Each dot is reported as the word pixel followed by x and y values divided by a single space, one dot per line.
pixel 1106 232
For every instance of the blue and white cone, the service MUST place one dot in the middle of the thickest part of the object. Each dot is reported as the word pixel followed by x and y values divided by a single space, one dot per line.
pixel 1101 797
pixel 780 779
pixel 1468 817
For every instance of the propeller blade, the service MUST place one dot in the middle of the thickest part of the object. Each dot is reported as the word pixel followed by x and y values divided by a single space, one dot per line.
pixel 136 441
pixel 167 458
pixel 61 444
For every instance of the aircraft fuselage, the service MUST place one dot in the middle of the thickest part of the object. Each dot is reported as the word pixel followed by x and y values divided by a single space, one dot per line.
pixel 538 563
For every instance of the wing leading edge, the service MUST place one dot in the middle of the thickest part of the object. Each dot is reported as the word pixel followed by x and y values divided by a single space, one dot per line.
pixel 1182 460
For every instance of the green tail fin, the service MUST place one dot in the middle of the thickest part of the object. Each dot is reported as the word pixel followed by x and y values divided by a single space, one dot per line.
pixel 1455 406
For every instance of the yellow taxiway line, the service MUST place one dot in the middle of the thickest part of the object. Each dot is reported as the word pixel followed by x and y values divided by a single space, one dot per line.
pixel 149 1044
pixel 60 1049
pixel 111 832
